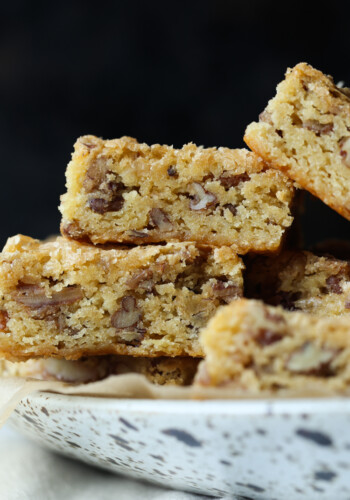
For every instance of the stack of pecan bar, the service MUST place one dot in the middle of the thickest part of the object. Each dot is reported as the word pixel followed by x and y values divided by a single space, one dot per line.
pixel 153 242
pixel 294 330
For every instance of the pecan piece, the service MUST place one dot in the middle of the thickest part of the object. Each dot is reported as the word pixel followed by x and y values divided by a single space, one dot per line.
pixel 312 360
pixel 172 172
pixel 105 186
pixel 203 199
pixel 229 180
pixel 159 219
pixel 73 230
pixel 333 283
pixel 266 337
pixel 101 206
pixel 317 127
pixel 33 297
pixel 128 315
pixel 226 291
pixel 3 320
pixel 344 144
pixel 143 280
pixel 231 208
pixel 110 198
pixel 137 234
pixel 96 174
pixel 132 338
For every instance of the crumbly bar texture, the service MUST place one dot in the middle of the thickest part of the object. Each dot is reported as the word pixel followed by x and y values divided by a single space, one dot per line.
pixel 255 347
pixel 66 299
pixel 161 371
pixel 305 133
pixel 300 280
pixel 123 191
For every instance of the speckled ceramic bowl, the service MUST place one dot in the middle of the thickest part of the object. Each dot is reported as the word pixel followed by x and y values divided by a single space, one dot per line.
pixel 295 449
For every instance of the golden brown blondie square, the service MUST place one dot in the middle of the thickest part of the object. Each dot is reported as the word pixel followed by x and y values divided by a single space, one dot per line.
pixel 305 133
pixel 123 191
pixel 255 347
pixel 66 299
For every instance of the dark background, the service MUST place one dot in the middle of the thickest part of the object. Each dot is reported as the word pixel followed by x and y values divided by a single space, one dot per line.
pixel 168 72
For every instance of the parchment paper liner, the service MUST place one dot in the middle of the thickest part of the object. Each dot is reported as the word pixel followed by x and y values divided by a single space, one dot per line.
pixel 133 386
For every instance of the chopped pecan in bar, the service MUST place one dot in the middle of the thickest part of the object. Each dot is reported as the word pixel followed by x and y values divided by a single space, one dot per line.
pixel 35 299
pixel 3 320
pixel 203 199
pixel 160 219
pixel 311 359
pixel 128 316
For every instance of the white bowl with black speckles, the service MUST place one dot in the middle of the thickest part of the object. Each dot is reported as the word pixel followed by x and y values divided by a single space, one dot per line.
pixel 262 449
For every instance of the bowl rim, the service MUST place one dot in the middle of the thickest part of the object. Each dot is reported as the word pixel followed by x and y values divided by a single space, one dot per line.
pixel 275 406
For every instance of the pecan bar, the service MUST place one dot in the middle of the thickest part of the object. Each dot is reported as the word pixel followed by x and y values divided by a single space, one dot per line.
pixel 123 191
pixel 66 299
pixel 305 133
pixel 300 280
pixel 255 347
